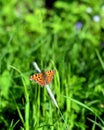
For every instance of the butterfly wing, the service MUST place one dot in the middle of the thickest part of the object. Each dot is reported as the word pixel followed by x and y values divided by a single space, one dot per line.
pixel 43 78
pixel 38 78
pixel 49 75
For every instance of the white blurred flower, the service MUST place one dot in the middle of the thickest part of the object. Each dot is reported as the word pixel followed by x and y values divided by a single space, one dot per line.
pixel 89 10
pixel 96 18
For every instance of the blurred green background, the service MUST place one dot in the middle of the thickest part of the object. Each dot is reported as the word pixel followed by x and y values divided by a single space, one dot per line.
pixel 67 36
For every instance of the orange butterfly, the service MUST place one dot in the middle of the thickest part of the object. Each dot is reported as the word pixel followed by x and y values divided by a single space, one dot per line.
pixel 43 78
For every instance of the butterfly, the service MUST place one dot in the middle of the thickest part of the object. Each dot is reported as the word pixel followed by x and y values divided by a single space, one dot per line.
pixel 43 78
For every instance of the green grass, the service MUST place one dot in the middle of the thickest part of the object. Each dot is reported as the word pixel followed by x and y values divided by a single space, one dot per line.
pixel 31 33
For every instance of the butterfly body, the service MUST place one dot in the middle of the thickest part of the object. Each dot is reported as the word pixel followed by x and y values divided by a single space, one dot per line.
pixel 43 78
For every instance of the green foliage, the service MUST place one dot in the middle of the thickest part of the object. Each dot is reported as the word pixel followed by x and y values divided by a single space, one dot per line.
pixel 68 38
